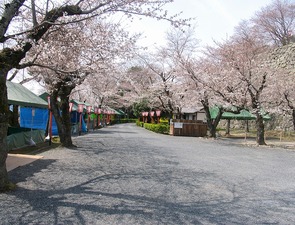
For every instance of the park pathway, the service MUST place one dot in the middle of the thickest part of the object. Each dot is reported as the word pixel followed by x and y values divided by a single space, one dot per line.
pixel 125 174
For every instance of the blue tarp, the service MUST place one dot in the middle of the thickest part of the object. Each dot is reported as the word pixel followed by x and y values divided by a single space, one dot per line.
pixel 39 120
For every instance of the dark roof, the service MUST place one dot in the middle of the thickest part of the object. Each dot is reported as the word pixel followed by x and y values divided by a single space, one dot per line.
pixel 20 95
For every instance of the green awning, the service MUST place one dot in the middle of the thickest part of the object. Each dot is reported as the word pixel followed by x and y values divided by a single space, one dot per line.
pixel 20 95
pixel 120 112
pixel 242 115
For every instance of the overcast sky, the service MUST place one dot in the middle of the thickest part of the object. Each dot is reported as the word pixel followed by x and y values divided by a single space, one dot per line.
pixel 215 19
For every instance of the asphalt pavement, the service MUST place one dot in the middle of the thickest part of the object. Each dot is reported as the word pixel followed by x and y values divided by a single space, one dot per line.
pixel 125 174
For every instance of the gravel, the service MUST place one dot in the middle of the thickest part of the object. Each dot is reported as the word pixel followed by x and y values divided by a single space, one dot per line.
pixel 124 174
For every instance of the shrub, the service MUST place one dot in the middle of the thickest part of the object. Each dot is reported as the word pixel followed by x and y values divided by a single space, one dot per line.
pixel 164 121
pixel 157 128
pixel 126 121
pixel 139 123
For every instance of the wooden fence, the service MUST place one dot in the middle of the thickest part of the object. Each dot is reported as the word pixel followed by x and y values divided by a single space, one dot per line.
pixel 192 128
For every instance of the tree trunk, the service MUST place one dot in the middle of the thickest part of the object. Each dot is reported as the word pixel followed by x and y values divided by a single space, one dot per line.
pixel 293 118
pixel 4 181
pixel 62 115
pixel 247 126
pixel 10 58
pixel 212 130
pixel 260 129
pixel 14 117
pixel 212 124
pixel 227 132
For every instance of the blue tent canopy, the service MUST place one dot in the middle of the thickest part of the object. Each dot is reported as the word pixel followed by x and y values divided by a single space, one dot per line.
pixel 40 119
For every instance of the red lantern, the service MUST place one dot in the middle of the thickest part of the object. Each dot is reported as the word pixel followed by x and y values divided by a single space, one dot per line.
pixel 71 106
pixel 99 111
pixel 48 100
pixel 152 113
pixel 80 108
pixel 158 112
pixel 89 109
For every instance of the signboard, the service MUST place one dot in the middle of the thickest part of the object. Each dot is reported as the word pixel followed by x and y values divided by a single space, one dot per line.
pixel 178 125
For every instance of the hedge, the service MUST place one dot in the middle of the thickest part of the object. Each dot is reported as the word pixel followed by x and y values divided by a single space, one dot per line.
pixel 157 128
pixel 125 120
pixel 138 123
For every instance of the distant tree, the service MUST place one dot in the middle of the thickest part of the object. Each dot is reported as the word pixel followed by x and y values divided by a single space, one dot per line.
pixel 141 106
pixel 205 80
pixel 166 86
pixel 275 23
pixel 243 59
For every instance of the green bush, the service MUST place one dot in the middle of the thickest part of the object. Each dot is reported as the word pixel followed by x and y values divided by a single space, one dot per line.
pixel 157 128
pixel 139 123
pixel 126 120
pixel 164 121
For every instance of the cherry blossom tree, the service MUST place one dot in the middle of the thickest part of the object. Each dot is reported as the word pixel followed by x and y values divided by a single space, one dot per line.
pixel 202 76
pixel 135 87
pixel 275 23
pixel 244 60
pixel 166 85
pixel 85 51
pixel 61 66
pixel 24 23
pixel 232 75
pixel 100 89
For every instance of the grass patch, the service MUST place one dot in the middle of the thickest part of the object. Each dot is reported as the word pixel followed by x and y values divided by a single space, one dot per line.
pixel 33 150
pixel 269 134
pixel 8 187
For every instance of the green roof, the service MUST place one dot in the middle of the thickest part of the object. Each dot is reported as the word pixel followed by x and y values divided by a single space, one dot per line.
pixel 120 112
pixel 20 95
pixel 242 115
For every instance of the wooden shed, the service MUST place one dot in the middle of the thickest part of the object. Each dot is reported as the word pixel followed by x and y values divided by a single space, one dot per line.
pixel 189 122
pixel 192 128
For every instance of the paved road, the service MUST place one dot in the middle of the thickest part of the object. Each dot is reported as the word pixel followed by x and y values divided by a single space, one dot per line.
pixel 127 175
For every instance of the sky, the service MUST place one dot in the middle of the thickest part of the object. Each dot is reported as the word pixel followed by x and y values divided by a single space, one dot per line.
pixel 214 19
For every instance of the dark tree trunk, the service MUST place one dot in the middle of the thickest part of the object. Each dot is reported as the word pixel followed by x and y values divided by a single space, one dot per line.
pixel 260 129
pixel 10 58
pixel 247 126
pixel 211 123
pixel 14 117
pixel 293 118
pixel 227 132
pixel 4 181
pixel 62 115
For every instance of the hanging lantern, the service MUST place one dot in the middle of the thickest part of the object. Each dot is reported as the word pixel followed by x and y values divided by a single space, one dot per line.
pixel 71 106
pixel 48 100
pixel 89 109
pixel 80 108
pixel 158 112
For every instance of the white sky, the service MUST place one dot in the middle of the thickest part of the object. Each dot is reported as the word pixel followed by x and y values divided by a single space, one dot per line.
pixel 215 19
